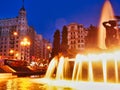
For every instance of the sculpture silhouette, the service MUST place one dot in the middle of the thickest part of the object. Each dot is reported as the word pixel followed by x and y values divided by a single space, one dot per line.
pixel 111 33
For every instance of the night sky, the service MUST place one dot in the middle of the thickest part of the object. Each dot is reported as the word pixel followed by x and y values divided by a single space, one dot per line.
pixel 48 15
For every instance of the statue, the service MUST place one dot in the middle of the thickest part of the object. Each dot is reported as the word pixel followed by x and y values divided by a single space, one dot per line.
pixel 111 33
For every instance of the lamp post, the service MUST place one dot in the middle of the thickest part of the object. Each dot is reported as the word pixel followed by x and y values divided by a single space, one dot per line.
pixel 25 43
pixel 11 52
pixel 13 34
pixel 49 52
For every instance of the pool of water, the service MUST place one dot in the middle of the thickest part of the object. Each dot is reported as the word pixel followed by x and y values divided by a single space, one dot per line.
pixel 26 84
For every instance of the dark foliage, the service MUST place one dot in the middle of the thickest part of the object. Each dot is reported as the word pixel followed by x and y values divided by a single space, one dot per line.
pixel 56 43
pixel 91 39
pixel 64 42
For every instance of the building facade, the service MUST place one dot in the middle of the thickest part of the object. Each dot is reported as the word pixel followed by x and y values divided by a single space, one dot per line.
pixel 19 41
pixel 76 37
pixel 12 32
pixel 43 48
pixel 38 52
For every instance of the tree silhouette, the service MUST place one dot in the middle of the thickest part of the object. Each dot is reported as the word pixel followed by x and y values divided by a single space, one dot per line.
pixel 56 43
pixel 91 39
pixel 64 42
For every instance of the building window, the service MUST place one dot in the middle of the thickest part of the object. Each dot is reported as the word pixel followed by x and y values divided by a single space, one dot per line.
pixel 74 46
pixel 16 45
pixel 81 36
pixel 74 42
pixel 5 39
pixel 4 46
pixel 1 39
pixel 71 47
pixel 82 45
pixel 72 27
pixel 16 41
pixel 82 41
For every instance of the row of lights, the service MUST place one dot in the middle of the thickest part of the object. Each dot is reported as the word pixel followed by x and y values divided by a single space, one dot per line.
pixel 25 42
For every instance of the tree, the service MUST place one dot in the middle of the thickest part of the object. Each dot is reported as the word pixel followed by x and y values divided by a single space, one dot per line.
pixel 91 39
pixel 64 42
pixel 56 43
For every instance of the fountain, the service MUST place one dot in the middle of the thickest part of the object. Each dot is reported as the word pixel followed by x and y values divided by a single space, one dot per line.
pixel 106 15
pixel 91 68
pixel 87 72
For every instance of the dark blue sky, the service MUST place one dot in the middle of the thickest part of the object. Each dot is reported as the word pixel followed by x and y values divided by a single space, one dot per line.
pixel 48 15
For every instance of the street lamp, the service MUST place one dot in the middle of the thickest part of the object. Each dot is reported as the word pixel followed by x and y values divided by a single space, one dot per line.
pixel 25 43
pixel 49 52
pixel 11 52
pixel 15 33
pixel 48 47
pixel 16 55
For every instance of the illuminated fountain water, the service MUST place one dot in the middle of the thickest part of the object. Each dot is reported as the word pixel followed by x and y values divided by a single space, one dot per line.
pixel 106 15
pixel 103 67
pixel 85 72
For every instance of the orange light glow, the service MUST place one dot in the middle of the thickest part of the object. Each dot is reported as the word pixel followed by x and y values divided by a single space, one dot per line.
pixel 48 47
pixel 25 42
pixel 15 33
pixel 11 51
pixel 16 55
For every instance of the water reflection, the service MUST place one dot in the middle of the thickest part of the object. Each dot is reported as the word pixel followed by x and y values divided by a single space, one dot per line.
pixel 26 84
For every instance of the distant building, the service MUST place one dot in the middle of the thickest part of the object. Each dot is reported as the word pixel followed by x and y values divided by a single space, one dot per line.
pixel 47 47
pixel 38 52
pixel 32 34
pixel 42 48
pixel 76 37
